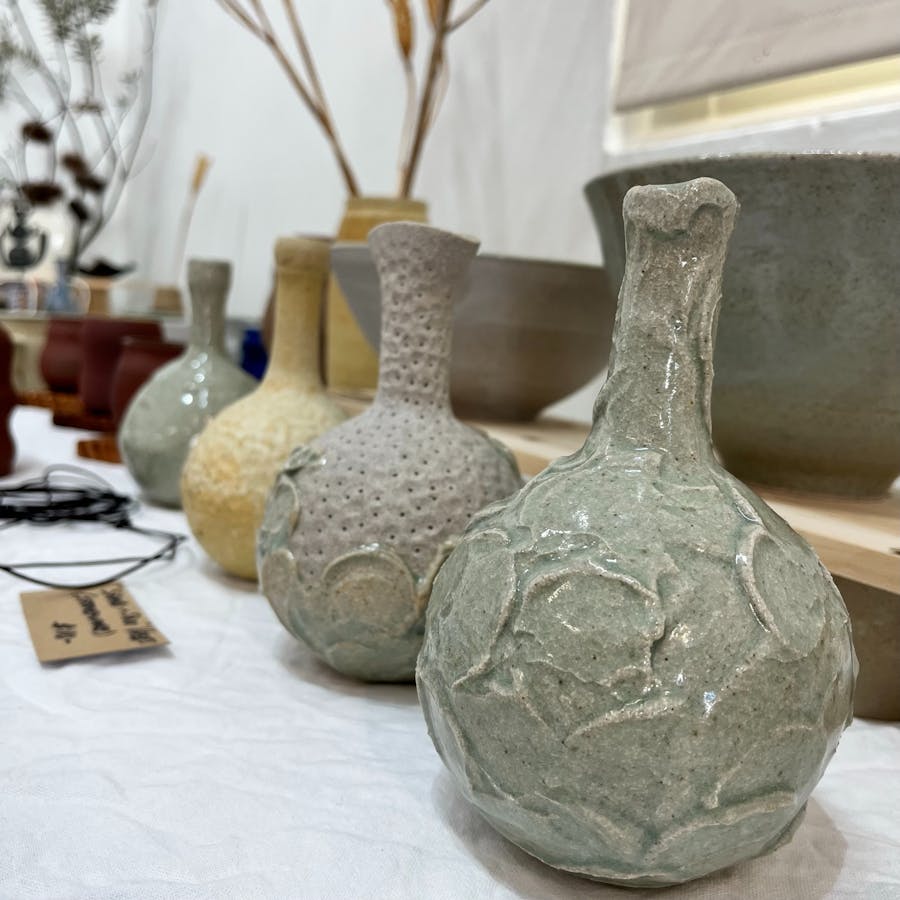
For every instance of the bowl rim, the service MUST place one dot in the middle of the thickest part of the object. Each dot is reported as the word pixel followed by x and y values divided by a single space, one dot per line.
pixel 751 156
pixel 342 246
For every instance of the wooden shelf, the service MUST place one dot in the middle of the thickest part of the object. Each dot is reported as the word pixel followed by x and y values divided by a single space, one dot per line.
pixel 857 539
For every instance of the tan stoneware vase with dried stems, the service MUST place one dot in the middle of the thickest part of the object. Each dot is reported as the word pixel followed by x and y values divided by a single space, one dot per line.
pixel 360 520
pixel 233 464
pixel 351 363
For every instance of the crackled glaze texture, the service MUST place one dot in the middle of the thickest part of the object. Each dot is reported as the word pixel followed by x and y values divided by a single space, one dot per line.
pixel 633 668
pixel 173 406
pixel 231 467
pixel 360 520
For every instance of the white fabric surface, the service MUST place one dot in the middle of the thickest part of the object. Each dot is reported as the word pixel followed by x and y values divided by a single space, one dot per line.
pixel 233 765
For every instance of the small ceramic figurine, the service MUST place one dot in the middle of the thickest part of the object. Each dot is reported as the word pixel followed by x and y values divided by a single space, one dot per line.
pixel 360 520
pixel 231 468
pixel 181 397
pixel 633 668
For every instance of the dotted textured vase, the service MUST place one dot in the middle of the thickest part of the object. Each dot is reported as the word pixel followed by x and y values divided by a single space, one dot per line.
pixel 351 362
pixel 232 465
pixel 173 406
pixel 360 520
pixel 633 668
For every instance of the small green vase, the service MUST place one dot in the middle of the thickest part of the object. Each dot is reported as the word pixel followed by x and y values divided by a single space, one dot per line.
pixel 176 403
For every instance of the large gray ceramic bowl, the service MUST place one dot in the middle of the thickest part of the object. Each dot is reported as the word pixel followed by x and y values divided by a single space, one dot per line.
pixel 807 361
pixel 526 334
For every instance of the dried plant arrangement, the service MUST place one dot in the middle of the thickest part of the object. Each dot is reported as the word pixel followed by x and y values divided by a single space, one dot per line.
pixel 77 142
pixel 421 106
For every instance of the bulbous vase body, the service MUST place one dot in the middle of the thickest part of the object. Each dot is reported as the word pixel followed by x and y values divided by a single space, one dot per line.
pixel 167 413
pixel 360 519
pixel 633 668
pixel 139 359
pixel 231 467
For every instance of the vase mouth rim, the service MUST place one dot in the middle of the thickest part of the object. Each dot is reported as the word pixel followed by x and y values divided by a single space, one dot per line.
pixel 425 228
pixel 801 157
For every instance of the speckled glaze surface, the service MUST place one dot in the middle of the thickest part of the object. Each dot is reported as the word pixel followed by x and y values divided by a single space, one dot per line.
pixel 232 466
pixel 633 668
pixel 807 392
pixel 360 520
pixel 181 397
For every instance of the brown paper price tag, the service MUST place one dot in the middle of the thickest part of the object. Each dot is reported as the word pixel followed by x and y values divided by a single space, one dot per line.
pixel 65 624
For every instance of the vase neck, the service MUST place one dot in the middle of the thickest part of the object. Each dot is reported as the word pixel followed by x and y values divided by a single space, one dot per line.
pixel 302 272
pixel 658 391
pixel 422 272
pixel 208 282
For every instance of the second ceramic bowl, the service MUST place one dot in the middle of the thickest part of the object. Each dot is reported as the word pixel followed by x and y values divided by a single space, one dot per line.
pixel 807 390
pixel 526 333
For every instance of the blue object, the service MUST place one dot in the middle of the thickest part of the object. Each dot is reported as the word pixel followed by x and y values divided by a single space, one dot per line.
pixel 254 358
pixel 59 297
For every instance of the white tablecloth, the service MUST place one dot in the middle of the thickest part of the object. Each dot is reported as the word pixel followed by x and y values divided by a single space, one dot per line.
pixel 233 765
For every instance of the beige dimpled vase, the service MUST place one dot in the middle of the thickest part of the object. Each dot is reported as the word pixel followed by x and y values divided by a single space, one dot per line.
pixel 234 462
pixel 360 520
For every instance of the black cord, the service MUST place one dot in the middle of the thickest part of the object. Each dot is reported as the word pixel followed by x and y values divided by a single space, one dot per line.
pixel 66 493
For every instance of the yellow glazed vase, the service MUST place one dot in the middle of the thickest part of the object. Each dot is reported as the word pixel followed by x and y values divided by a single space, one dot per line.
pixel 351 364
pixel 231 467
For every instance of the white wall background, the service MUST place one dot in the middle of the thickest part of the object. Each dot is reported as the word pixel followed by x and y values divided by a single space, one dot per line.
pixel 523 127
pixel 519 133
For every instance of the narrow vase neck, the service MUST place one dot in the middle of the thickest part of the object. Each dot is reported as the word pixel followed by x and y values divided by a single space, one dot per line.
pixel 295 345
pixel 208 281
pixel 208 321
pixel 422 271
pixel 660 382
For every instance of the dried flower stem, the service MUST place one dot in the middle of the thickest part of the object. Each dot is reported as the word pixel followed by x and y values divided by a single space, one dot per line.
pixel 313 97
pixel 466 15
pixel 408 171
pixel 409 116
pixel 405 34
pixel 418 117
pixel 302 46
pixel 201 168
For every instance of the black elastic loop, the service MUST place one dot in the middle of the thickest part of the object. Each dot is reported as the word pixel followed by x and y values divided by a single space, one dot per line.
pixel 65 493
